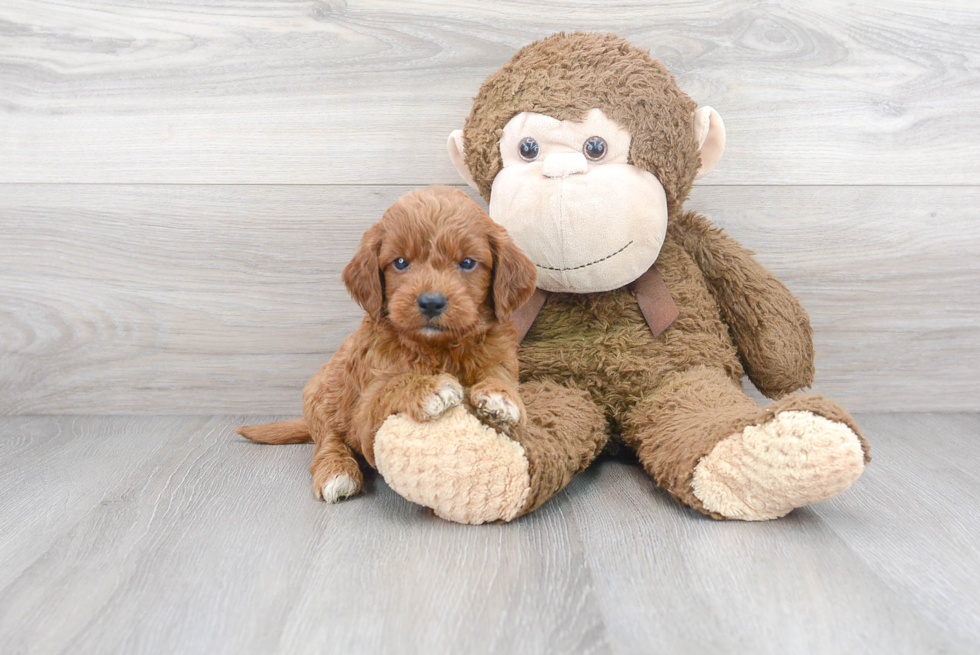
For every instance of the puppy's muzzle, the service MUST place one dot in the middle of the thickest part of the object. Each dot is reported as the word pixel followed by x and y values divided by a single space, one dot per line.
pixel 431 303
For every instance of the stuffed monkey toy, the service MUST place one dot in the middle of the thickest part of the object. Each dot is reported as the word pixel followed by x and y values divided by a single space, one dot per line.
pixel 646 316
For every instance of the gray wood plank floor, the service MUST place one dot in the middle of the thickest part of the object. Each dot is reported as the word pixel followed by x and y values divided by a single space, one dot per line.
pixel 173 535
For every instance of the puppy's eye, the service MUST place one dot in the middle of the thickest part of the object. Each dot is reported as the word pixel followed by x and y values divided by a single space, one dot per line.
pixel 400 264
pixel 529 149
pixel 467 264
pixel 594 148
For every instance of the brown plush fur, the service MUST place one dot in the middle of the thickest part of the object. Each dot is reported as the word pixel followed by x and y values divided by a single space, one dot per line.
pixel 566 75
pixel 768 325
pixel 686 417
pixel 670 398
pixel 398 358
pixel 552 463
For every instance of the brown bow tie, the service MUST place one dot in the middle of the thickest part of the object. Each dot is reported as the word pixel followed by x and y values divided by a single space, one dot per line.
pixel 651 294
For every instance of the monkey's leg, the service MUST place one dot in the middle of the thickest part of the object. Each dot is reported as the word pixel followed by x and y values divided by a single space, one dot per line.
pixel 469 473
pixel 714 449
pixel 564 432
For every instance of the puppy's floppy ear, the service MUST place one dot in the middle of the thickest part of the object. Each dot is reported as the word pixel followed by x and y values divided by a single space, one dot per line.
pixel 514 275
pixel 363 276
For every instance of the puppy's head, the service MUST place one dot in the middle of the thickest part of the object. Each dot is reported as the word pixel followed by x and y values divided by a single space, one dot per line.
pixel 438 268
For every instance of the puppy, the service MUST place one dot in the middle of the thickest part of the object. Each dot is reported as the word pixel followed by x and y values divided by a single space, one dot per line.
pixel 438 280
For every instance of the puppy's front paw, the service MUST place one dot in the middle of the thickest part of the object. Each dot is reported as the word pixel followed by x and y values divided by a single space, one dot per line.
pixel 447 393
pixel 497 406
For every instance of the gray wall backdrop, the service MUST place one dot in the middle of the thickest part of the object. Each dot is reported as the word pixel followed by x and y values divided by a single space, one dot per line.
pixel 182 182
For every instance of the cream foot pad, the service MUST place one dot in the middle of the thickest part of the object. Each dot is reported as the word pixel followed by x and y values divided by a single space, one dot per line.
pixel 765 471
pixel 463 470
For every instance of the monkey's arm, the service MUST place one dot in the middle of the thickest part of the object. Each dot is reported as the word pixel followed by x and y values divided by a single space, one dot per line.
pixel 770 328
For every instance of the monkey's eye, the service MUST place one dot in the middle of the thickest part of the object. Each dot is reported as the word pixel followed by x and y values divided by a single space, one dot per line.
pixel 400 264
pixel 467 264
pixel 529 149
pixel 594 148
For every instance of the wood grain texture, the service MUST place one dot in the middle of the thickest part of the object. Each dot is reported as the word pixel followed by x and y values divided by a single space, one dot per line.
pixel 925 481
pixel 328 92
pixel 691 585
pixel 218 546
pixel 173 299
pixel 59 469
pixel 191 540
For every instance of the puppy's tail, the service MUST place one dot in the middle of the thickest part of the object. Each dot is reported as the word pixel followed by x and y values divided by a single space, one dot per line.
pixel 291 431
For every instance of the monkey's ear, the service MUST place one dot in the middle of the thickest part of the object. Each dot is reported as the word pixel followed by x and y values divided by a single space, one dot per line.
pixel 710 133
pixel 514 275
pixel 363 276
pixel 455 146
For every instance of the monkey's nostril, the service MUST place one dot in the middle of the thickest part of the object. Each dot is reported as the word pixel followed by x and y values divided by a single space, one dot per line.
pixel 431 303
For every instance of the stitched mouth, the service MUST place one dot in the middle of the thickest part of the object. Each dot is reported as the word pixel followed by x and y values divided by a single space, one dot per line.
pixel 575 268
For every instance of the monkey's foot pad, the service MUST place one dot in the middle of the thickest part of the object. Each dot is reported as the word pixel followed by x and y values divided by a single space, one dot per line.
pixel 463 470
pixel 765 471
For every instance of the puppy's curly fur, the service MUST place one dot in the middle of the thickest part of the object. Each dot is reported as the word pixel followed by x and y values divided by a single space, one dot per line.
pixel 403 360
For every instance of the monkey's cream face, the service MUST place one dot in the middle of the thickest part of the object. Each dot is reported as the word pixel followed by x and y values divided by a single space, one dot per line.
pixel 567 194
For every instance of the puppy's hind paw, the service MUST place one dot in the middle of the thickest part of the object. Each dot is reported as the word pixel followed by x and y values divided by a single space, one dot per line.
pixel 337 488
pixel 448 393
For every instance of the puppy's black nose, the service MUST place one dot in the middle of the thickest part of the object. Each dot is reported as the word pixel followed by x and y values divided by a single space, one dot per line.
pixel 431 303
